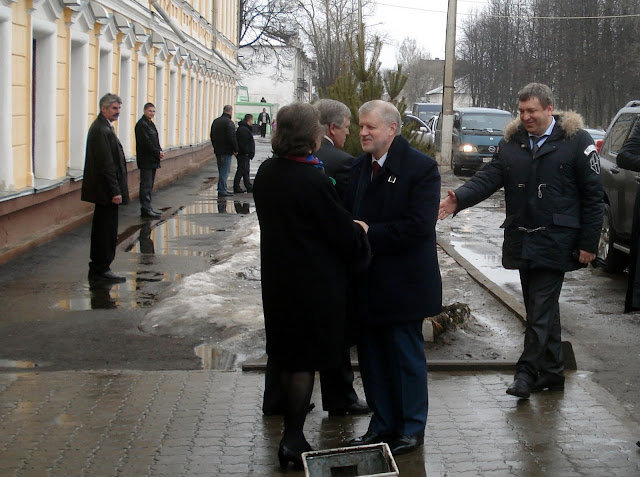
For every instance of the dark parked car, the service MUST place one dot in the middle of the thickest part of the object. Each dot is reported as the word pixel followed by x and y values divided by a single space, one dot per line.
pixel 476 135
pixel 620 188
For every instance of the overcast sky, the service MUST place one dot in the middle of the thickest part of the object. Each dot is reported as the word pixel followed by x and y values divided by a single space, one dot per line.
pixel 424 21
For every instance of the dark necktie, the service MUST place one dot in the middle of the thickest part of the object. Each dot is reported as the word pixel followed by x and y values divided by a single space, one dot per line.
pixel 535 140
pixel 376 167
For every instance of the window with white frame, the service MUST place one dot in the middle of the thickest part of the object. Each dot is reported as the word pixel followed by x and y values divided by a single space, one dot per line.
pixel 124 91
pixel 78 100
pixel 43 101
pixel 7 181
pixel 173 98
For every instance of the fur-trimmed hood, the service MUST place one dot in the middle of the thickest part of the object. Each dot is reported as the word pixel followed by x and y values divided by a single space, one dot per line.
pixel 570 121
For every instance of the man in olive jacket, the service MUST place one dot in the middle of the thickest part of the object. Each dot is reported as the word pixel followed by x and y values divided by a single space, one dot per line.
pixel 550 171
pixel 105 184
pixel 148 155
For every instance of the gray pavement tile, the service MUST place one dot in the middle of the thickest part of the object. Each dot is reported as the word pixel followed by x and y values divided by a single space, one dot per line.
pixel 152 423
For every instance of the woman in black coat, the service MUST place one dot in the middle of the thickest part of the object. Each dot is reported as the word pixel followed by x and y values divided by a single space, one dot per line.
pixel 308 245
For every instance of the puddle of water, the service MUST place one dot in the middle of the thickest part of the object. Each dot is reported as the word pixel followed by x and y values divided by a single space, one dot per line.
pixel 214 358
pixel 9 363
pixel 130 294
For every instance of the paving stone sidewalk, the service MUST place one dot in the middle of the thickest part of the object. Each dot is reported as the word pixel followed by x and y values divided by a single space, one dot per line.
pixel 184 423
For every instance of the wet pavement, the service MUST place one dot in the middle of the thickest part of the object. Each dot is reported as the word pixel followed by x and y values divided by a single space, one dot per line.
pixel 183 423
pixel 85 389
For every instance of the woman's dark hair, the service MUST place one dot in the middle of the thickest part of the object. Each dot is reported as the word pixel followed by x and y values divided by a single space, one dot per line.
pixel 298 132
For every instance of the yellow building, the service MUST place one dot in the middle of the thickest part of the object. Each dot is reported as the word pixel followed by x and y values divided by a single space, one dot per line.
pixel 59 57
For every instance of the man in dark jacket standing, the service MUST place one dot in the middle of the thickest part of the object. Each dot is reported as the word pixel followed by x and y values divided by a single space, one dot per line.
pixel 105 184
pixel 395 189
pixel 263 120
pixel 148 155
pixel 225 145
pixel 335 118
pixel 246 152
pixel 550 171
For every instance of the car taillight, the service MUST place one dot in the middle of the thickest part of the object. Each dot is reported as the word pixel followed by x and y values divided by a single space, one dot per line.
pixel 599 145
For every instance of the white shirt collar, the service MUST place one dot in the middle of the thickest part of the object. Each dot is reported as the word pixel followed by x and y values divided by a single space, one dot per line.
pixel 381 160
pixel 329 139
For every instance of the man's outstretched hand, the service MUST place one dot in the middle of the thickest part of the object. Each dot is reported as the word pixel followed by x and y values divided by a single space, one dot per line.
pixel 448 205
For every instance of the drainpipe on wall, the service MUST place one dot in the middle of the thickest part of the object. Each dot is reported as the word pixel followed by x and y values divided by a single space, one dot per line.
pixel 170 21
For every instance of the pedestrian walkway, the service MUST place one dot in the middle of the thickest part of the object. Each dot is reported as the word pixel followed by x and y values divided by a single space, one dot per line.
pixel 189 423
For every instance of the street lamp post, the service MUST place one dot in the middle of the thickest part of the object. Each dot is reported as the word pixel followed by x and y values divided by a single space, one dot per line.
pixel 448 89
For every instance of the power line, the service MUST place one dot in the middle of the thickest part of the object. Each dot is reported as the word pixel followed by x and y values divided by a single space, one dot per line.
pixel 525 17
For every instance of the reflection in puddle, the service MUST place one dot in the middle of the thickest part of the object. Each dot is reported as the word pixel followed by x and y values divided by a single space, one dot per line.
pixel 214 358
pixel 159 238
pixel 9 363
pixel 105 296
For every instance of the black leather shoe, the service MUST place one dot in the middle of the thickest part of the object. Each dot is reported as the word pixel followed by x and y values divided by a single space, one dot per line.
pixel 106 277
pixel 550 382
pixel 224 194
pixel 404 444
pixel 358 407
pixel 519 388
pixel 150 214
pixel 369 438
pixel 239 191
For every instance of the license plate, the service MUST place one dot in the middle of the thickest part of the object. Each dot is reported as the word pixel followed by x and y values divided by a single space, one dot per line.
pixel 487 159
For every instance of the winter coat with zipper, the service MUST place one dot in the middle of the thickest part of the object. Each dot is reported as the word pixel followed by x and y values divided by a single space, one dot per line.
pixel 246 143
pixel 554 202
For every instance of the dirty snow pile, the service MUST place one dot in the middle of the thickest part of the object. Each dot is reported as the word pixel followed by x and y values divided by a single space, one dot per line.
pixel 222 304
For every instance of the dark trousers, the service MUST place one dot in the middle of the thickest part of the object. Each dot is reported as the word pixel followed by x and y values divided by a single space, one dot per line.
pixel 263 129
pixel 542 341
pixel 244 166
pixel 104 238
pixel 147 178
pixel 394 374
pixel 336 386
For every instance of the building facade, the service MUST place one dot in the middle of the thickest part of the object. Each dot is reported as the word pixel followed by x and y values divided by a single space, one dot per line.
pixel 59 57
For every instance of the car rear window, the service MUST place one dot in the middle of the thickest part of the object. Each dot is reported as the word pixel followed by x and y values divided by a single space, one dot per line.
pixel 620 131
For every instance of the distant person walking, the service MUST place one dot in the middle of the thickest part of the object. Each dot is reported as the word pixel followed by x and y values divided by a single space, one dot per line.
pixel 246 152
pixel 225 146
pixel 263 100
pixel 263 120
pixel 550 171
pixel 148 155
pixel 629 158
pixel 105 184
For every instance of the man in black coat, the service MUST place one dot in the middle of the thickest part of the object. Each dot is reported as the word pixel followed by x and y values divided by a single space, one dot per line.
pixel 148 155
pixel 335 118
pixel 395 189
pixel 629 158
pixel 263 120
pixel 246 152
pixel 550 171
pixel 225 146
pixel 105 184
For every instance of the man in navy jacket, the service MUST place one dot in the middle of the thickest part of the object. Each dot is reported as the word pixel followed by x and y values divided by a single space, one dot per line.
pixel 395 189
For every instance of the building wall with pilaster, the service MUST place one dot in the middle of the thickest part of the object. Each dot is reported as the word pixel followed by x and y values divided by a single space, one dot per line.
pixel 59 57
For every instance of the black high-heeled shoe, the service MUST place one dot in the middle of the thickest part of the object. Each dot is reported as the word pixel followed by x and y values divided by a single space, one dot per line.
pixel 286 455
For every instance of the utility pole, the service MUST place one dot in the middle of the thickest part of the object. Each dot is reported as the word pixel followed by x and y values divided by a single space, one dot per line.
pixel 447 90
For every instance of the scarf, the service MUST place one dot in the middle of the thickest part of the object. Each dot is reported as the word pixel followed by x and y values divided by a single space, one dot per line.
pixel 310 159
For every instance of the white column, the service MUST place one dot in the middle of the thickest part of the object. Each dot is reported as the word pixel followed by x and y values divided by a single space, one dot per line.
pixel 183 108
pixel 159 102
pixel 173 101
pixel 142 85
pixel 124 122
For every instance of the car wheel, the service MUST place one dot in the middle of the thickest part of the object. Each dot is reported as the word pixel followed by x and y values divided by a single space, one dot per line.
pixel 611 259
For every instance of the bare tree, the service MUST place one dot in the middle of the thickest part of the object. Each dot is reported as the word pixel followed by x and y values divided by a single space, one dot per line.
pixel 423 75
